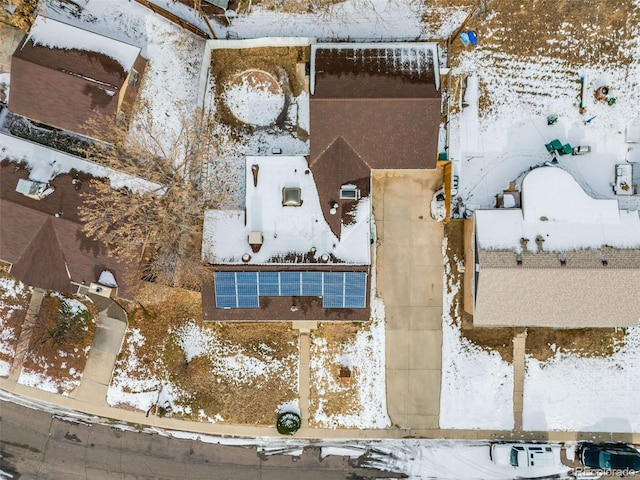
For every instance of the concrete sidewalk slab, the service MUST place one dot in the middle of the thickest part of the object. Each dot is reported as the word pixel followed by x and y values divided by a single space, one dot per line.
pixel 109 335
pixel 101 360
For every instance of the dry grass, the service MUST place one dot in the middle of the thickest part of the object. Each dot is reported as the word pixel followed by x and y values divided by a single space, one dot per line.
pixel 330 395
pixel 578 32
pixel 13 311
pixel 543 343
pixel 289 6
pixel 59 341
pixel 281 62
pixel 208 390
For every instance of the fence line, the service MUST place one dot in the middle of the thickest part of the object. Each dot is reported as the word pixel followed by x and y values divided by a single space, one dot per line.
pixel 174 18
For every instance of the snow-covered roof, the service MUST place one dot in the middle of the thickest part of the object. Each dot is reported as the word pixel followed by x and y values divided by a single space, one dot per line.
pixel 556 209
pixel 54 34
pixel 291 234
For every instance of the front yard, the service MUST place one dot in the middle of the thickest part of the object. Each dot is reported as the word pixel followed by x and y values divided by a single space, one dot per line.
pixel 14 300
pixel 59 343
pixel 236 373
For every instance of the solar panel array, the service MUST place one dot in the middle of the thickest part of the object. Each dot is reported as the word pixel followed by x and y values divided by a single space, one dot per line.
pixel 337 289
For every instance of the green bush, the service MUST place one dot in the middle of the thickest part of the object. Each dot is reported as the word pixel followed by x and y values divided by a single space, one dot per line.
pixel 288 423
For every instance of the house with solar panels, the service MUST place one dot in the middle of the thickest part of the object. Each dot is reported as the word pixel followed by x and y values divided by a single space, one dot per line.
pixel 301 247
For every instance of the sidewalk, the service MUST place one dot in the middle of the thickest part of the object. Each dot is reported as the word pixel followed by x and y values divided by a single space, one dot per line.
pixel 139 420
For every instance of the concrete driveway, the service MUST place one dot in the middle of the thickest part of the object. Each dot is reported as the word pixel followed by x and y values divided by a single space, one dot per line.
pixel 409 274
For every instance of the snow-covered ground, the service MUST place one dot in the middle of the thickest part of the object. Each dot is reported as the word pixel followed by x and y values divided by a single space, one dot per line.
pixel 353 19
pixel 38 374
pixel 495 141
pixel 477 386
pixel 134 384
pixel 367 354
pixel 570 392
pixel 489 151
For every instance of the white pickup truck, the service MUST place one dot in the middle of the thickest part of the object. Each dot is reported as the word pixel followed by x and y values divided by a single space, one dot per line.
pixel 525 454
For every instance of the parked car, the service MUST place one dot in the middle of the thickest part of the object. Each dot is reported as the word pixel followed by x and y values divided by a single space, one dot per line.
pixel 609 455
pixel 525 454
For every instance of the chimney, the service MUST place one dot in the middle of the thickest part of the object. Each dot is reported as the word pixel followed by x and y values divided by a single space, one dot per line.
pixel 254 171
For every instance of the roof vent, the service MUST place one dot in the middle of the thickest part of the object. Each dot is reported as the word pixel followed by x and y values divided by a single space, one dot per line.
pixel 604 260
pixel 254 171
pixel 349 192
pixel 255 241
pixel 291 197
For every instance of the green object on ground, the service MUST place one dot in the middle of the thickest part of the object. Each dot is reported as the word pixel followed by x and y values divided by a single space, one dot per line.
pixel 554 145
pixel 566 149
pixel 288 423
pixel 611 101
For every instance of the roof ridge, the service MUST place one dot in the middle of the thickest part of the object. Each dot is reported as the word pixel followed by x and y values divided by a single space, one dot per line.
pixel 356 152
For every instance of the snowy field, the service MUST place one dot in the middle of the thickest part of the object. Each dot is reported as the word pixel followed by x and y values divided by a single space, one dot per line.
pixel 477 386
pixel 354 19
pixel 140 387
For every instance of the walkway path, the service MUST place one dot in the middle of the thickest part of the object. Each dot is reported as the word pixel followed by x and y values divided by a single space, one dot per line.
pixel 103 353
pixel 25 333
pixel 519 343
pixel 304 372
pixel 409 275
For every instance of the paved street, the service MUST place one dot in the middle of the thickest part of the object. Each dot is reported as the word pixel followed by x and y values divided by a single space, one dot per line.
pixel 36 445
pixel 410 270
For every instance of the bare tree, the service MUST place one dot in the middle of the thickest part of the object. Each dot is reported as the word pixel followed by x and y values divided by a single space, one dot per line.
pixel 161 228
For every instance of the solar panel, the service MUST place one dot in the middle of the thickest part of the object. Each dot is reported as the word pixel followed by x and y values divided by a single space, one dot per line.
pixel 226 301
pixel 311 284
pixel 269 284
pixel 248 301
pixel 337 289
pixel 290 284
pixel 333 301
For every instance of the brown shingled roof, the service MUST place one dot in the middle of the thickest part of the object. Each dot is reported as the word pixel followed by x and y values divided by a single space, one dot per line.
pixel 46 251
pixel 388 112
pixel 369 111
pixel 65 88
pixel 339 165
